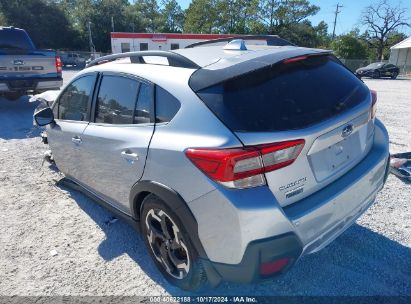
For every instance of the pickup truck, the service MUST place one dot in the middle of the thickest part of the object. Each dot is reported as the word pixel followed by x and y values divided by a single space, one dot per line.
pixel 25 69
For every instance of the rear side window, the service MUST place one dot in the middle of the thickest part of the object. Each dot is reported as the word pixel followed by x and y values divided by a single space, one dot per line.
pixel 116 100
pixel 15 39
pixel 167 105
pixel 73 103
pixel 285 96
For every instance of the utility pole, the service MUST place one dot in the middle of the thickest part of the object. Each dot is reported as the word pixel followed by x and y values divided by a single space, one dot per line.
pixel 90 41
pixel 337 11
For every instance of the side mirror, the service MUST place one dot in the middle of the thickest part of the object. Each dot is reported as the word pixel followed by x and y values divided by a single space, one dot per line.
pixel 44 117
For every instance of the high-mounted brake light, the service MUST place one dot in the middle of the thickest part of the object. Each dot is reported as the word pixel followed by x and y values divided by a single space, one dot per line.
pixel 373 104
pixel 59 64
pixel 244 167
pixel 295 59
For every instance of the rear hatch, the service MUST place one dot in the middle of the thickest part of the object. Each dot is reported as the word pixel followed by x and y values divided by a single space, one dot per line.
pixel 311 98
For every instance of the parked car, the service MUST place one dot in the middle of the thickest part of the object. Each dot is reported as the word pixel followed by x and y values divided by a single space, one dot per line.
pixel 233 161
pixel 23 68
pixel 378 70
pixel 73 59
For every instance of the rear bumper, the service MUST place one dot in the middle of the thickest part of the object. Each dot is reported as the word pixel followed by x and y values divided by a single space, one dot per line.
pixel 30 84
pixel 323 216
pixel 286 246
pixel 240 230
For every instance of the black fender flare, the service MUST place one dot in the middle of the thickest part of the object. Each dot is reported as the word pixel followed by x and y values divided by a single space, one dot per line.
pixel 174 201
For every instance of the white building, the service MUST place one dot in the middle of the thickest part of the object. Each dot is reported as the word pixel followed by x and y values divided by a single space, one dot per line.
pixel 401 55
pixel 129 42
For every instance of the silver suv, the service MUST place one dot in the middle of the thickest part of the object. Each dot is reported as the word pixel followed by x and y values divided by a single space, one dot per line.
pixel 232 159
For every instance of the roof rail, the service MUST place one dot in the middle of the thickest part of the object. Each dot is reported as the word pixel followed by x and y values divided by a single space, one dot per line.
pixel 174 59
pixel 272 40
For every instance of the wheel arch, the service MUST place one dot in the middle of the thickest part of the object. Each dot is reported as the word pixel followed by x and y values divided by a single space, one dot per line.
pixel 172 199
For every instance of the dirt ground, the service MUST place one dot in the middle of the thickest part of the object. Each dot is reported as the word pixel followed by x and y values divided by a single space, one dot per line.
pixel 56 241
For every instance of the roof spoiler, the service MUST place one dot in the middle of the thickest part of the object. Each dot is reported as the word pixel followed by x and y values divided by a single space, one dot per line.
pixel 174 59
pixel 272 40
pixel 207 77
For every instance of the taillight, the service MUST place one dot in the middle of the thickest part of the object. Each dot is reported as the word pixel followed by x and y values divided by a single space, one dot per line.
pixel 373 103
pixel 295 59
pixel 59 65
pixel 244 167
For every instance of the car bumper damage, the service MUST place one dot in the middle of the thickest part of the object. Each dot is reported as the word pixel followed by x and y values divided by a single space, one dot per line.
pixel 312 223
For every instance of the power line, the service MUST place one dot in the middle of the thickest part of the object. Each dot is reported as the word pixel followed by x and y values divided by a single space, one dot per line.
pixel 337 11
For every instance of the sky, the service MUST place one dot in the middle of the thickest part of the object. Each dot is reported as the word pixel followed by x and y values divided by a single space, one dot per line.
pixel 347 19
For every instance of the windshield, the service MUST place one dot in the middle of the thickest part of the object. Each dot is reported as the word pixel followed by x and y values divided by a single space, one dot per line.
pixel 285 96
pixel 15 39
pixel 375 65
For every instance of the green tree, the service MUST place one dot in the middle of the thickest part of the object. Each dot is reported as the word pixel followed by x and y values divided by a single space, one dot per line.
pixel 349 46
pixel 294 11
pixel 235 16
pixel 201 17
pixel 172 17
pixel 45 22
pixel 149 12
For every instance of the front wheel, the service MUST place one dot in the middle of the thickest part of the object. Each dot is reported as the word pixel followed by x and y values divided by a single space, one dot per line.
pixel 170 246
pixel 394 75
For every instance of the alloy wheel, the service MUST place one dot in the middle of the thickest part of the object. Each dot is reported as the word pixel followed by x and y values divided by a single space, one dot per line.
pixel 167 244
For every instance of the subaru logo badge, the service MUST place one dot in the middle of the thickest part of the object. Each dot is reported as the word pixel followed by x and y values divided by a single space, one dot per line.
pixel 18 62
pixel 347 131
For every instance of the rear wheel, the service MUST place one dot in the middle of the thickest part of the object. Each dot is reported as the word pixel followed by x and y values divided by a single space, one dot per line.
pixel 170 246
pixel 394 75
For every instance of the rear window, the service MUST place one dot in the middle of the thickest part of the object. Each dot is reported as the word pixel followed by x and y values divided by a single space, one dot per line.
pixel 285 96
pixel 15 39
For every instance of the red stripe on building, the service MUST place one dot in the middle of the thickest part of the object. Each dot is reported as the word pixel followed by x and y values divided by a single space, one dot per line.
pixel 165 36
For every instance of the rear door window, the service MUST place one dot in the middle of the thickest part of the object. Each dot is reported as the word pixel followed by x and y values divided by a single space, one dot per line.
pixel 144 102
pixel 116 100
pixel 73 104
pixel 285 96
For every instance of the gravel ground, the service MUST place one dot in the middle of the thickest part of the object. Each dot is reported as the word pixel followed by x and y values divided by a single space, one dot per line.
pixel 56 241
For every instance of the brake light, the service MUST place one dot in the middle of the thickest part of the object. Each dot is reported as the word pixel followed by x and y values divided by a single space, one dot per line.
pixel 373 104
pixel 295 59
pixel 244 167
pixel 59 65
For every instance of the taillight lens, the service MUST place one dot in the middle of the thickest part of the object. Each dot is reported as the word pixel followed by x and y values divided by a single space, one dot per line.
pixel 244 167
pixel 59 65
pixel 294 59
pixel 373 103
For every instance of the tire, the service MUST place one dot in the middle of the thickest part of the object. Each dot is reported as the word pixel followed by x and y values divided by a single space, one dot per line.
pixel 376 75
pixel 170 245
pixel 13 95
pixel 394 75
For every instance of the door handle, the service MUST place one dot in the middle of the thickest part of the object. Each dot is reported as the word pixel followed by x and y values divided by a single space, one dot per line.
pixel 76 139
pixel 129 156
